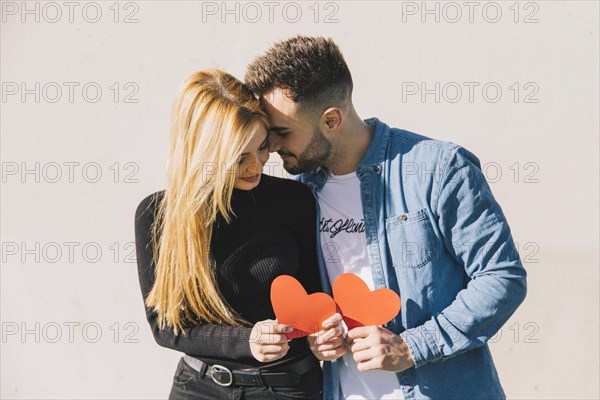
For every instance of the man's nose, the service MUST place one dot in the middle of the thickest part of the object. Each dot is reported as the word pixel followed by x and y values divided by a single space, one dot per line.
pixel 273 144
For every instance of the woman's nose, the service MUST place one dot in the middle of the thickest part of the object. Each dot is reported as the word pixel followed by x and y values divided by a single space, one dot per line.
pixel 255 166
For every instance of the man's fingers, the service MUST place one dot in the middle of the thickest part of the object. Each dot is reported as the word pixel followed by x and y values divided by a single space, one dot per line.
pixel 335 319
pixel 333 354
pixel 329 345
pixel 315 335
pixel 330 334
pixel 349 341
pixel 360 345
pixel 322 334
pixel 326 336
pixel 360 332
pixel 362 356
pixel 368 365
pixel 329 354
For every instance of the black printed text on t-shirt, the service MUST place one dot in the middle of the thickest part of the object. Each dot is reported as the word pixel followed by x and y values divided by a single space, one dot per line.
pixel 347 225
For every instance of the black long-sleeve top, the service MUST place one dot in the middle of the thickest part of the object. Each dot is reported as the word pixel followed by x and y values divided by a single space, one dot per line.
pixel 273 233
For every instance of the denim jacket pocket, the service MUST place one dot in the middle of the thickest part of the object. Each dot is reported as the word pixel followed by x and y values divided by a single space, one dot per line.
pixel 410 239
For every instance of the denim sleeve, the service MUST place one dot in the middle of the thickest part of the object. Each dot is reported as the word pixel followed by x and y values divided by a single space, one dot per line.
pixel 477 236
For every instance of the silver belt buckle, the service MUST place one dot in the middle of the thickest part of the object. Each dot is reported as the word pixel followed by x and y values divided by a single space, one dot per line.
pixel 219 368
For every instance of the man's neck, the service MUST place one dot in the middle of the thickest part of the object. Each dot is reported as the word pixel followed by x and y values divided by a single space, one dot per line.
pixel 351 146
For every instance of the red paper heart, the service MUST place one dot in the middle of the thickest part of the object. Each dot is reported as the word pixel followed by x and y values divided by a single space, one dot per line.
pixel 361 307
pixel 294 307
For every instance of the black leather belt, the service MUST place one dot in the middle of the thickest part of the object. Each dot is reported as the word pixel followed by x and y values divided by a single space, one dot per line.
pixel 277 374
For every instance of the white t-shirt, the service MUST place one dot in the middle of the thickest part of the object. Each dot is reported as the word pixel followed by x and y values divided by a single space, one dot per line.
pixel 344 247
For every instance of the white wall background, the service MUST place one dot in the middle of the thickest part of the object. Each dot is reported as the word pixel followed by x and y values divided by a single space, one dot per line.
pixel 73 324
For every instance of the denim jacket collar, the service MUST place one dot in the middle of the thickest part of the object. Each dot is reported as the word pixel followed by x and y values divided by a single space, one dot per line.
pixel 371 161
pixel 375 155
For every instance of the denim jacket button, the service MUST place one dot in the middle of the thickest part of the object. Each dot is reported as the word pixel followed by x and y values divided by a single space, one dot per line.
pixel 403 217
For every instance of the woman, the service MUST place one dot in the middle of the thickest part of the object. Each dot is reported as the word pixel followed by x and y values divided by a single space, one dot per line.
pixel 209 246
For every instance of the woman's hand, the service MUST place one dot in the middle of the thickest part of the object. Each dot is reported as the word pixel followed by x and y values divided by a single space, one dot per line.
pixel 268 341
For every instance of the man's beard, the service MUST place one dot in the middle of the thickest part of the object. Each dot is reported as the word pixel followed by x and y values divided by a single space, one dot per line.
pixel 315 154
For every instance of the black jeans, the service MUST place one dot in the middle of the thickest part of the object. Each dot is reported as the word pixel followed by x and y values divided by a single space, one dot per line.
pixel 189 385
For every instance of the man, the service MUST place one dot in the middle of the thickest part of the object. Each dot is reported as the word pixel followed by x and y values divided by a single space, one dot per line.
pixel 402 211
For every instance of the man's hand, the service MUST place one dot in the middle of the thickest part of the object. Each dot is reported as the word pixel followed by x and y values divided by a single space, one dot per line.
pixel 268 341
pixel 374 347
pixel 328 344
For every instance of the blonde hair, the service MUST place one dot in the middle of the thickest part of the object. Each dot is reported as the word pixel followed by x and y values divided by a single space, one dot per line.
pixel 214 118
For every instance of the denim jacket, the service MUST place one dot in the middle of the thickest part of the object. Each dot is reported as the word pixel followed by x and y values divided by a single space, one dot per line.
pixel 435 235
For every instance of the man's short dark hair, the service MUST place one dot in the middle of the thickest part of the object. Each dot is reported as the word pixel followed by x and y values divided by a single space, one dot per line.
pixel 311 71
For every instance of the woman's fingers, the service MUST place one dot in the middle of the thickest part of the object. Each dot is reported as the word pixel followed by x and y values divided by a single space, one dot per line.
pixel 272 339
pixel 281 328
pixel 270 331
pixel 271 352
pixel 268 341
pixel 272 357
pixel 274 349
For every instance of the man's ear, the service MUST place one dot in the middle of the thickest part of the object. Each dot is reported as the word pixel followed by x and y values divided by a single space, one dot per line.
pixel 332 118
